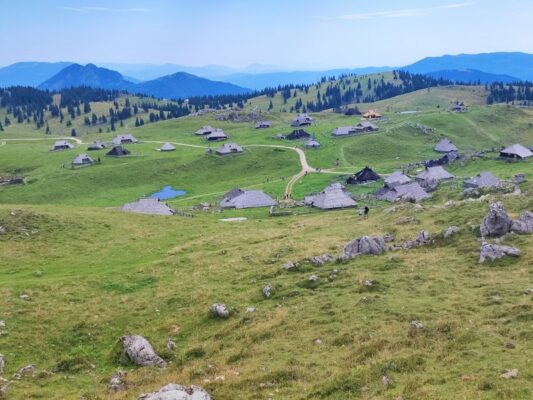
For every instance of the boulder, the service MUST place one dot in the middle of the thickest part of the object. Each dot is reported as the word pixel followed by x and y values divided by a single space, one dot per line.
pixel 313 278
pixel 496 223
pixel 364 245
pixel 220 310
pixel 289 265
pixel 267 290
pixel 26 370
pixel 510 374
pixel 524 224
pixel 495 251
pixel 177 392
pixel 140 352
pixel 116 384
pixel 423 237
pixel 318 261
pixel 171 345
pixel 452 230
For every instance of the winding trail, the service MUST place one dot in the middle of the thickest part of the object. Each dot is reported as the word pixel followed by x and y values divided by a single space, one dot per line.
pixel 305 167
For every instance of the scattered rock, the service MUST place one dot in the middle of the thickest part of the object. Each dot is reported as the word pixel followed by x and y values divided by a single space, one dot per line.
pixel 171 345
pixel 408 221
pixel 5 388
pixel 25 297
pixel 510 345
pixel 116 384
pixel 528 291
pixel 2 364
pixel 388 237
pixel 496 222
pixel 313 278
pixel 177 392
pixel 267 290
pixel 524 224
pixel 250 310
pixel 289 265
pixel 386 380
pixel 422 238
pixel 510 374
pixel 364 245
pixel 318 261
pixel 417 325
pixel 140 352
pixel 368 282
pixel 220 310
pixel 317 341
pixel 494 252
pixel 452 230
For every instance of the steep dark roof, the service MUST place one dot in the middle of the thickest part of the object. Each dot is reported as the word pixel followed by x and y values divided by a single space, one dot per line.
pixel 118 151
pixel 367 174
pixel 298 134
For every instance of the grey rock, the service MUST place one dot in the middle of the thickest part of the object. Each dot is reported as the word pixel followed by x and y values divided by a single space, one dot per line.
pixel 220 310
pixel 267 290
pixel 177 392
pixel 368 282
pixel 317 341
pixel 388 237
pixel 416 324
pixel 25 297
pixel 496 222
pixel 494 252
pixel 524 224
pixel 26 370
pixel 386 380
pixel 140 352
pixel 289 265
pixel 250 310
pixel 2 364
pixel 313 278
pixel 423 237
pixel 364 245
pixel 510 374
pixel 171 345
pixel 318 261
pixel 116 383
pixel 452 230
pixel 4 389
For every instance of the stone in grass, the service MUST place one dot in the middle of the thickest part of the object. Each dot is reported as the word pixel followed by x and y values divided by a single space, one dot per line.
pixel 140 352
pixel 289 265
pixel 250 310
pixel 364 245
pixel 510 374
pixel 25 297
pixel 116 383
pixel 417 325
pixel 386 380
pixel 313 278
pixel 170 344
pixel 319 261
pixel 452 230
pixel 524 224
pixel 220 310
pixel 267 290
pixel 177 392
pixel 494 252
pixel 496 223
pixel 2 364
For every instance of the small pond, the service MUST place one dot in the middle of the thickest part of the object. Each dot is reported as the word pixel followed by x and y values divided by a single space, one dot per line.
pixel 168 193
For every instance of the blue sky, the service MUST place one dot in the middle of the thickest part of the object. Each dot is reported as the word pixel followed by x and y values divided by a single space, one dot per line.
pixel 290 33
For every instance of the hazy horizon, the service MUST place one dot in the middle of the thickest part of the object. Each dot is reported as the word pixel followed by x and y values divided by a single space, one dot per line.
pixel 299 35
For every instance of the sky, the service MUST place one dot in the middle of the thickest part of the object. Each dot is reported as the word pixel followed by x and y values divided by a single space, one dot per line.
pixel 297 34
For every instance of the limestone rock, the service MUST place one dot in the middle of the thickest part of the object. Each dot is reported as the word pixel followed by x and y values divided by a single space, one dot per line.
pixel 2 364
pixel 452 230
pixel 220 310
pixel 289 265
pixel 171 345
pixel 524 224
pixel 313 278
pixel 318 261
pixel 510 374
pixel 267 290
pixel 386 380
pixel 116 384
pixel 495 251
pixel 496 222
pixel 177 392
pixel 364 245
pixel 140 352
pixel 250 310
pixel 417 325
pixel 26 370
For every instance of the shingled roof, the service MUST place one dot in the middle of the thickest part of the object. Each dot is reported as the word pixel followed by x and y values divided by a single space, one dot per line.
pixel 167 147
pixel 483 180
pixel 147 205
pixel 62 145
pixel 97 145
pixel 367 174
pixel 516 150
pixel 434 174
pixel 229 148
pixel 82 159
pixel 445 146
pixel 396 178
pixel 409 191
pixel 333 196
pixel 237 198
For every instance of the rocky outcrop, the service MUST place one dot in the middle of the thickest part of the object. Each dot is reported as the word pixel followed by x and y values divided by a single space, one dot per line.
pixel 139 351
pixel 422 238
pixel 452 230
pixel 220 310
pixel 116 383
pixel 524 224
pixel 177 392
pixel 494 252
pixel 318 261
pixel 267 290
pixel 289 265
pixel 364 245
pixel 496 223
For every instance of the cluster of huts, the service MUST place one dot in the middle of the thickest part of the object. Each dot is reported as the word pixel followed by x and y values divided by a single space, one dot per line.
pixel 361 128
pixel 211 134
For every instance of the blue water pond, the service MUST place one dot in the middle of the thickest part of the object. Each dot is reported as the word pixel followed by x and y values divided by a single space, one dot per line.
pixel 167 193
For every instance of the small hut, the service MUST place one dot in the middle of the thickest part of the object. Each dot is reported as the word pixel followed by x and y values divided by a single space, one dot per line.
pixel 298 134
pixel 82 159
pixel 516 151
pixel 216 135
pixel 60 145
pixel 263 125
pixel 312 144
pixel 237 198
pixel 204 130
pixel 371 114
pixel 445 146
pixel 395 179
pixel 229 148
pixel 167 147
pixel 124 139
pixel 406 192
pixel 333 196
pixel 432 175
pixel 97 145
pixel 148 205
pixel 118 151
pixel 302 119
pixel 367 174
pixel 482 180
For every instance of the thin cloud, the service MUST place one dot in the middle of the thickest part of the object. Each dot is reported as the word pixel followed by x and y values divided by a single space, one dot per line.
pixel 89 9
pixel 406 13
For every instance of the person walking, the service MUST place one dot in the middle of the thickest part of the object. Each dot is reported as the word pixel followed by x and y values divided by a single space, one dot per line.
pixel 360 212
pixel 367 210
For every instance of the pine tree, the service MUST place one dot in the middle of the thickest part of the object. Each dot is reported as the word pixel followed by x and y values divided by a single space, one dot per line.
pixel 1 127
pixel 86 107
pixel 73 132
pixel 137 122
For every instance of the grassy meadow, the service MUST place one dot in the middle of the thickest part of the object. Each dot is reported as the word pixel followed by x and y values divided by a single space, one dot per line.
pixel 94 273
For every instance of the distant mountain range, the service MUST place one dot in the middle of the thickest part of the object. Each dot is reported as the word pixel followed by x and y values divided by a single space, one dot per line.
pixel 29 73
pixel 518 65
pixel 86 75
pixel 178 85
pixel 178 81
pixel 183 85
pixel 472 75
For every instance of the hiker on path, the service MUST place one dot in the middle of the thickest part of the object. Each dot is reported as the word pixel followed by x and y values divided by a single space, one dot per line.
pixel 367 210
